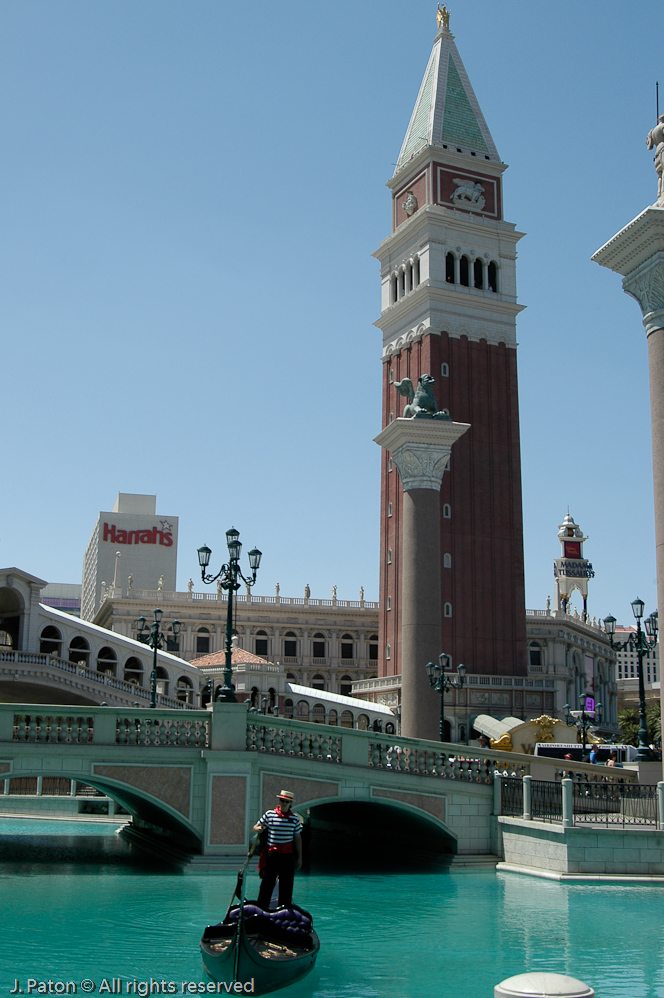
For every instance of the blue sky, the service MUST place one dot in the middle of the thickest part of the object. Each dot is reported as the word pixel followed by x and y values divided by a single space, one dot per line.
pixel 190 193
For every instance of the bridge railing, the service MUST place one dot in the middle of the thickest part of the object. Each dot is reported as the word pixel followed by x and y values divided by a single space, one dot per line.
pixel 48 662
pixel 394 754
pixel 164 728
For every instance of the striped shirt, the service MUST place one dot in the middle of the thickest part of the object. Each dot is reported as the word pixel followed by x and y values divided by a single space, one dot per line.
pixel 281 828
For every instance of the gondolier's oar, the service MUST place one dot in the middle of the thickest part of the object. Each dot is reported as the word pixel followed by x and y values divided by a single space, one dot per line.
pixel 237 893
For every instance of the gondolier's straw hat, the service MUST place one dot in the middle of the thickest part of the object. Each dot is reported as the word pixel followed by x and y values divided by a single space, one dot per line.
pixel 286 795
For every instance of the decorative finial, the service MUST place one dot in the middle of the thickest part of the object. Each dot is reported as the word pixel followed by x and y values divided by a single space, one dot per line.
pixel 443 17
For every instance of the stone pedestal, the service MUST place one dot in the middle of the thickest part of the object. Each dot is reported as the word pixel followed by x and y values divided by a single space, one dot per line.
pixel 637 253
pixel 420 449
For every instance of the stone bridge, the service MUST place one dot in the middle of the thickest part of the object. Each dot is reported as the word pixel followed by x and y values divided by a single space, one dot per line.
pixel 195 781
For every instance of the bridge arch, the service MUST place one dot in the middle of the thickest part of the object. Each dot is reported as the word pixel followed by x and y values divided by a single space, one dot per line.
pixel 375 833
pixel 151 815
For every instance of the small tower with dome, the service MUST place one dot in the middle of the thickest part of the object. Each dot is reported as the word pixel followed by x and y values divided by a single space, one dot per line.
pixel 571 571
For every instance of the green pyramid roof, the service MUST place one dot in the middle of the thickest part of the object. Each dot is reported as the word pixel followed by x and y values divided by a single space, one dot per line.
pixel 446 112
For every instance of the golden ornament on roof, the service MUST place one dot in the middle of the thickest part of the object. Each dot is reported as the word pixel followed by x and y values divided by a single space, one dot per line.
pixel 443 17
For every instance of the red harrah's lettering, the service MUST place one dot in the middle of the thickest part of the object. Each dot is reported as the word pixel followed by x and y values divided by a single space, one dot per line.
pixel 115 536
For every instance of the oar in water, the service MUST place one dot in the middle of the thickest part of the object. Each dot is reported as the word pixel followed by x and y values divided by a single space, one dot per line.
pixel 238 893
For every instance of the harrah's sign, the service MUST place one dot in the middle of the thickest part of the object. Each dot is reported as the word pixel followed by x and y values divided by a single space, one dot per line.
pixel 153 536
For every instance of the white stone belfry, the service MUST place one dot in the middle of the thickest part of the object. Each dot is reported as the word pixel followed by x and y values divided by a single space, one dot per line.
pixel 571 571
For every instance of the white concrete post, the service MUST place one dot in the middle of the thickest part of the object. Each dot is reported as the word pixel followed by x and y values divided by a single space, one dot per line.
pixel 567 787
pixel 6 790
pixel 39 785
pixel 660 806
pixel 497 794
pixel 544 985
pixel 72 788
pixel 228 727
pixel 527 798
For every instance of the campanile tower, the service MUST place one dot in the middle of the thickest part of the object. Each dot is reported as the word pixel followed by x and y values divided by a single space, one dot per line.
pixel 449 310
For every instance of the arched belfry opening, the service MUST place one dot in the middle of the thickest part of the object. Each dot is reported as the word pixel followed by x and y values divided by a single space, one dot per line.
pixel 374 835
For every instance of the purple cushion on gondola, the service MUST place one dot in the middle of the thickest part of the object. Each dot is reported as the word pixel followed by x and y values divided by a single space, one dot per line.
pixel 292 925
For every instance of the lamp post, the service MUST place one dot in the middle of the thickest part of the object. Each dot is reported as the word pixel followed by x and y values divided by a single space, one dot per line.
pixel 640 643
pixel 583 719
pixel 439 681
pixel 155 638
pixel 228 576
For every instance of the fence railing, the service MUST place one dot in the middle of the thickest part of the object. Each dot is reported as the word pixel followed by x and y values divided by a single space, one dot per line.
pixel 581 802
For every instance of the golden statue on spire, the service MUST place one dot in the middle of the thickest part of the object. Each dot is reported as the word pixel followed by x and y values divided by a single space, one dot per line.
pixel 443 17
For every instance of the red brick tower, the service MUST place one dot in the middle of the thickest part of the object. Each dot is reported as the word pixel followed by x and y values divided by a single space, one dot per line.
pixel 449 309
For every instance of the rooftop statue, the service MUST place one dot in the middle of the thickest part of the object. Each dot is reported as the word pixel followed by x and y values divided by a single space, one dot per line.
pixel 443 17
pixel 421 403
pixel 655 140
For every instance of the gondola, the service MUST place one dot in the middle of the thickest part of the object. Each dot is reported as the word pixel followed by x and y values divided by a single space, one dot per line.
pixel 261 951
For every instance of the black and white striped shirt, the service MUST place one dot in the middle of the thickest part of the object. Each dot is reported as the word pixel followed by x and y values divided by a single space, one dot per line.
pixel 281 828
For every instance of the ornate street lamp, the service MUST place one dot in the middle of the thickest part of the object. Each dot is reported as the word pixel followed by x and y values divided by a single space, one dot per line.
pixel 155 638
pixel 440 681
pixel 228 576
pixel 584 719
pixel 642 644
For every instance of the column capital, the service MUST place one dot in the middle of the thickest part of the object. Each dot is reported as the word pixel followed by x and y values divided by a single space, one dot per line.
pixel 421 449
pixel 646 286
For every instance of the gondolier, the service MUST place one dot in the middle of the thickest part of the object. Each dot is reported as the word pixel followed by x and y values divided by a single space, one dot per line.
pixel 284 850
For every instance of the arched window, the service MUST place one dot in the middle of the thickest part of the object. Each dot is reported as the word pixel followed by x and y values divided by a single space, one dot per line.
pixel 332 717
pixel 389 556
pixel 291 677
pixel 202 641
pixel 288 708
pixel 302 710
pixel 346 686
pixel 445 370
pixel 290 644
pixel 416 272
pixel 447 560
pixel 535 653
pixel 394 289
pixel 50 641
pixel 388 652
pixel 5 639
pixel 347 646
pixel 79 651
pixel 464 271
pixel 271 699
pixel 346 719
pixel 318 645
pixel 447 511
pixel 462 732
pixel 260 643
pixel 478 275
pixel 402 282
pixel 255 696
pixel 389 509
pixel 447 610
pixel 373 647
pixel 318 714
pixel 318 682
pixel 363 722
pixel 391 378
pixel 107 661
pixel 388 603
pixel 185 690
pixel 133 671
pixel 449 268
pixel 493 277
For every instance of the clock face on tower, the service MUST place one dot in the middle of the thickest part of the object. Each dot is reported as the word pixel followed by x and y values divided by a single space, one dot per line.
pixel 572 549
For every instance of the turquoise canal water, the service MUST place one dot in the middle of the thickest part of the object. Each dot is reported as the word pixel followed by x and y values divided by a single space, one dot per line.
pixel 418 935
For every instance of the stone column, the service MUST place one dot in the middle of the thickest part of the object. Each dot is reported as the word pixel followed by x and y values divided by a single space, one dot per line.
pixel 420 449
pixel 637 252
